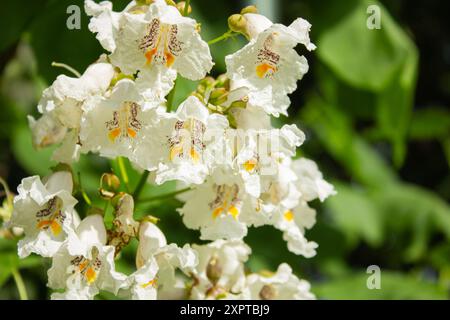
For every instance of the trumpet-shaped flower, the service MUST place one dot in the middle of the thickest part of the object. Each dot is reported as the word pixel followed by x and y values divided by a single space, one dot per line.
pixel 84 264
pixel 114 125
pixel 269 66
pixel 61 107
pixel 310 181
pixel 45 212
pixel 160 40
pixel 283 285
pixel 157 263
pixel 220 270
pixel 220 207
pixel 185 145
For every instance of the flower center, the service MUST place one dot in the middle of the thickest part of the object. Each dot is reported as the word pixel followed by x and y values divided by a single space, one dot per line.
pixel 187 140
pixel 226 201
pixel 160 44
pixel 125 123
pixel 88 268
pixel 267 60
pixel 51 217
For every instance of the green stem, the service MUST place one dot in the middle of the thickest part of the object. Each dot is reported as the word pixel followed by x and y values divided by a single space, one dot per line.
pixel 9 197
pixel 165 196
pixel 67 67
pixel 20 285
pixel 140 185
pixel 171 96
pixel 186 7
pixel 83 193
pixel 123 172
pixel 225 36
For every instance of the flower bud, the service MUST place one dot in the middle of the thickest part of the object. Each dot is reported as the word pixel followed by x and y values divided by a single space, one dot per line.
pixel 218 94
pixel 223 82
pixel 249 9
pixel 237 23
pixel 214 270
pixel 110 182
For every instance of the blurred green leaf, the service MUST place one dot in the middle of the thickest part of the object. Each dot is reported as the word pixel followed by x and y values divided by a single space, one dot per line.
pixel 430 123
pixel 356 215
pixel 334 131
pixel 394 286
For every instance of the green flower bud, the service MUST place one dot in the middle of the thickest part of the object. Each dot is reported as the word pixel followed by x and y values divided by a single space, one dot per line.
pixel 249 9
pixel 237 23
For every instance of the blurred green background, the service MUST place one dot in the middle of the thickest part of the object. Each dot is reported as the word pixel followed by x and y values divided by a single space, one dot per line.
pixel 374 107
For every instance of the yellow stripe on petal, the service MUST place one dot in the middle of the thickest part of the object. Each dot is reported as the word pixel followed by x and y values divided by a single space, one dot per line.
pixel 150 283
pixel 289 215
pixel 217 212
pixel 113 134
pixel 91 275
pixel 131 133
pixel 55 227
pixel 149 56
pixel 263 69
pixel 175 151
pixel 233 211
pixel 249 165
pixel 194 155
pixel 170 59
pixel 44 224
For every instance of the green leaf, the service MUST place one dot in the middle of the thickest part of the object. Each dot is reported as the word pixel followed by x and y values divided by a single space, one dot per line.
pixel 365 58
pixel 356 215
pixel 394 286
pixel 430 123
pixel 418 211
pixel 334 131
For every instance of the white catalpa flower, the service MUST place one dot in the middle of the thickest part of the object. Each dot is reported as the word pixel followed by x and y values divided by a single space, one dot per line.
pixel 283 285
pixel 161 40
pixel 104 21
pixel 293 222
pixel 269 66
pixel 220 270
pixel 113 126
pixel 61 107
pixel 84 265
pixel 259 152
pixel 310 180
pixel 184 145
pixel 282 206
pixel 220 207
pixel 157 264
pixel 45 212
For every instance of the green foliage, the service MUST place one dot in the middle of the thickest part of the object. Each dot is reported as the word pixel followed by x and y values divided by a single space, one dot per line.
pixel 359 117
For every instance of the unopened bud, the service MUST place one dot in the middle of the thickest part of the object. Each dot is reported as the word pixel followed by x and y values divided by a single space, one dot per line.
pixel 237 23
pixel 218 93
pixel 214 270
pixel 223 82
pixel 249 9
pixel 110 182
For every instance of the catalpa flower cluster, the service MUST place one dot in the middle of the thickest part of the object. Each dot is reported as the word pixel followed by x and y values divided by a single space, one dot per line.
pixel 234 169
